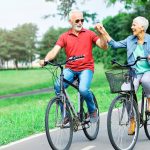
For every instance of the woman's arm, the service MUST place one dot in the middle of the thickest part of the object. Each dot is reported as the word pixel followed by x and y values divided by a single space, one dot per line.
pixel 114 44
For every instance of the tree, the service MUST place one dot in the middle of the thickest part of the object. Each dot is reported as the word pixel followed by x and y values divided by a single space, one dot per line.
pixel 22 40
pixel 65 6
pixel 128 3
pixel 143 11
pixel 4 46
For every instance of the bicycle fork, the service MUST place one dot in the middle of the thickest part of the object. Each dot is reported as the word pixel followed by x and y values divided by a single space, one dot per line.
pixel 127 105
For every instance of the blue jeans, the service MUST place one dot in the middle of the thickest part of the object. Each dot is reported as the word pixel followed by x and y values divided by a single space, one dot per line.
pixel 85 78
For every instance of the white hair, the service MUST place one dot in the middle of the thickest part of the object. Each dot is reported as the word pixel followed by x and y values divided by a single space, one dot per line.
pixel 74 11
pixel 142 21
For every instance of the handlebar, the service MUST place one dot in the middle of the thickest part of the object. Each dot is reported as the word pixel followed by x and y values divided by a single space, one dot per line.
pixel 73 58
pixel 129 65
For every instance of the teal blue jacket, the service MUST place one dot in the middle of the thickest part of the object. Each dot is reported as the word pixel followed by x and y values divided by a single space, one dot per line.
pixel 130 43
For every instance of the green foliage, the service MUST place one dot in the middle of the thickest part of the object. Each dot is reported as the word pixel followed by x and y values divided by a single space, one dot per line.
pixel 65 6
pixel 23 39
pixel 128 4
pixel 143 11
pixel 18 44
pixel 88 16
pixel 4 54
pixel 119 26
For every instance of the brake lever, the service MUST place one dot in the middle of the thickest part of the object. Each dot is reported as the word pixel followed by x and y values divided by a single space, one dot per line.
pixel 113 61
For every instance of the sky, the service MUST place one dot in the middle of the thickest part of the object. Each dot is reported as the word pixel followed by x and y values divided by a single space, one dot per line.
pixel 18 12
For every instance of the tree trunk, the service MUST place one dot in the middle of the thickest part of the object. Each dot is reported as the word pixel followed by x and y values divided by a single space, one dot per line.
pixel 16 64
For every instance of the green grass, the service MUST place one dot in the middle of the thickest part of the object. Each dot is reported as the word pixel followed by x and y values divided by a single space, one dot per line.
pixel 15 81
pixel 21 117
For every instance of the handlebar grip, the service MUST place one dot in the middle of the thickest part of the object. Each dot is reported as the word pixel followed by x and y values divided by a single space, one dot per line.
pixel 139 58
pixel 113 61
pixel 45 63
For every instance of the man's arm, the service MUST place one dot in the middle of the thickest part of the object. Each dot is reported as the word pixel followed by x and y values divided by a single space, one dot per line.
pixel 51 54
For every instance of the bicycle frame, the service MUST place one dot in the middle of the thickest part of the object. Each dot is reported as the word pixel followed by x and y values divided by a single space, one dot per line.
pixel 133 96
pixel 65 95
pixel 132 93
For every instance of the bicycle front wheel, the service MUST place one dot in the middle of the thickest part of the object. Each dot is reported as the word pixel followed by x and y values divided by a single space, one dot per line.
pixel 90 129
pixel 147 125
pixel 118 121
pixel 59 131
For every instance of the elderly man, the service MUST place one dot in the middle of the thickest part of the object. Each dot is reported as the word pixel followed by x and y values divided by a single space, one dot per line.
pixel 78 41
pixel 137 44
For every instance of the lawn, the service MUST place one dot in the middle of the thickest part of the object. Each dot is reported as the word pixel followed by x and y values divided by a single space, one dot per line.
pixel 24 116
pixel 15 81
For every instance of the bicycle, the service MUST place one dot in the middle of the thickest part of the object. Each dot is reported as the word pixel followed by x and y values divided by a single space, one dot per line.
pixel 124 107
pixel 62 116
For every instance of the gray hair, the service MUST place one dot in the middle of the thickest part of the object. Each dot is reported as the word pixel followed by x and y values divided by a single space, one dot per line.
pixel 74 11
pixel 142 21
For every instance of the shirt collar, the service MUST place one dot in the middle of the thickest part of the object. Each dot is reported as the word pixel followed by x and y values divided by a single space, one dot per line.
pixel 71 32
pixel 145 38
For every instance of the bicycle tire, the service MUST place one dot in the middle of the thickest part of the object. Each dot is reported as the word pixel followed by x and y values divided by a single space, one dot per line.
pixel 54 119
pixel 147 125
pixel 92 130
pixel 118 134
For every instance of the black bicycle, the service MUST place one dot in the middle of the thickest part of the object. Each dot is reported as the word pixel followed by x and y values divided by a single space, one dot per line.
pixel 124 107
pixel 62 119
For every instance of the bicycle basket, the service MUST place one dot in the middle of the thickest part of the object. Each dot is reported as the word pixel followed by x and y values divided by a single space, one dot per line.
pixel 118 80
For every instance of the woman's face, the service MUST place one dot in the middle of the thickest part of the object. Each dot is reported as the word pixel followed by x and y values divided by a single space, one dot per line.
pixel 137 28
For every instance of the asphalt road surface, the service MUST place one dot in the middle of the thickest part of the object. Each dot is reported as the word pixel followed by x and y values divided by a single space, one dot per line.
pixel 80 142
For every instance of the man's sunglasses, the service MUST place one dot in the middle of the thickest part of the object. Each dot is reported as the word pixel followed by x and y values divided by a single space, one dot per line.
pixel 78 20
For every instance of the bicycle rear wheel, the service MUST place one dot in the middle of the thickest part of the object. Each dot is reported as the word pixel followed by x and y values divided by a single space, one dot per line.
pixel 147 124
pixel 118 123
pixel 90 129
pixel 60 137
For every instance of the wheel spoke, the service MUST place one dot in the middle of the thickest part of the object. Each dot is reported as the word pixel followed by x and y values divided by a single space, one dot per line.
pixel 90 129
pixel 56 127
pixel 118 124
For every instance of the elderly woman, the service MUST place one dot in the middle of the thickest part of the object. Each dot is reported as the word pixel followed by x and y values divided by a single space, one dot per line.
pixel 137 44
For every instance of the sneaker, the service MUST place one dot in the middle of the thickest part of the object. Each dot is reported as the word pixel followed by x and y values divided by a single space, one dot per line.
pixel 66 120
pixel 94 116
pixel 131 129
pixel 148 105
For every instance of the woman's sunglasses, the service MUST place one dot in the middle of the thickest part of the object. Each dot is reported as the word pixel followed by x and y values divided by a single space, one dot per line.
pixel 78 20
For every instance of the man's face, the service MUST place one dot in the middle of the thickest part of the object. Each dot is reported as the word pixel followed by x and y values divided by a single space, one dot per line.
pixel 77 21
pixel 136 28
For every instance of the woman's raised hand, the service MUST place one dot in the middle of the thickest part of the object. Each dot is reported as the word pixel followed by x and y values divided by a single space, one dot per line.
pixel 99 27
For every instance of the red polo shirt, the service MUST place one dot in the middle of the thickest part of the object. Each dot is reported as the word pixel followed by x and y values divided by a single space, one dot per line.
pixel 79 45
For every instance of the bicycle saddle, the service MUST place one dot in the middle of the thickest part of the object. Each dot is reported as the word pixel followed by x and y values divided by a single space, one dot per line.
pixel 76 80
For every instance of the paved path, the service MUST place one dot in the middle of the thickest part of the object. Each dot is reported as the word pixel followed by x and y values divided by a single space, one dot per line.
pixel 80 142
pixel 44 90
